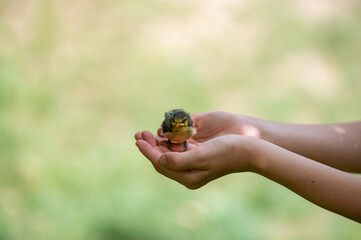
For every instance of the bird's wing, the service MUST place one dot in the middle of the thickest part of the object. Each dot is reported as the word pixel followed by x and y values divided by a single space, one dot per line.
pixel 190 122
pixel 166 124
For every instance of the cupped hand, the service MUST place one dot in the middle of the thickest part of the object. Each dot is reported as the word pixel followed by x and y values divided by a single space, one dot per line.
pixel 214 124
pixel 201 162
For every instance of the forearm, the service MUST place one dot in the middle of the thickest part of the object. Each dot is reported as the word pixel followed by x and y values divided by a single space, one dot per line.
pixel 335 190
pixel 336 145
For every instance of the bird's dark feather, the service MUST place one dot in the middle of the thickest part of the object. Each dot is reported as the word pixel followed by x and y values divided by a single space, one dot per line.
pixel 174 114
pixel 166 125
pixel 190 124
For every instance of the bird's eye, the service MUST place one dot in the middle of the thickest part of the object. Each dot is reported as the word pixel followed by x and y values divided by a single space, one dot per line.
pixel 184 120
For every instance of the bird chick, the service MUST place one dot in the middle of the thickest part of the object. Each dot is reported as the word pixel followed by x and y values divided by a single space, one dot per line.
pixel 177 127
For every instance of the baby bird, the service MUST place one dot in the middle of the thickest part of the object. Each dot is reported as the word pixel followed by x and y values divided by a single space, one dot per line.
pixel 177 127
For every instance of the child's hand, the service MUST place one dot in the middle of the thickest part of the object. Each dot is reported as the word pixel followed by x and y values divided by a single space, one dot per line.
pixel 214 124
pixel 201 162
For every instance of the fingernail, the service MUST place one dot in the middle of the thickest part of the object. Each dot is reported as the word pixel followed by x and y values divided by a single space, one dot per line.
pixel 163 161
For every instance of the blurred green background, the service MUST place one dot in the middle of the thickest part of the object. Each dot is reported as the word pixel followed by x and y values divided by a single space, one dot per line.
pixel 79 78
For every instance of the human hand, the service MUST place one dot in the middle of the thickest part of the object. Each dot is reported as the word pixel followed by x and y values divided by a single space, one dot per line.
pixel 201 162
pixel 214 124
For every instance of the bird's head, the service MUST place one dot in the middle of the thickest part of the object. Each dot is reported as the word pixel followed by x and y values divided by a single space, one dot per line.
pixel 180 118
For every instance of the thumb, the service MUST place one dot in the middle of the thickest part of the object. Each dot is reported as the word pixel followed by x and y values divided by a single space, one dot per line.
pixel 191 159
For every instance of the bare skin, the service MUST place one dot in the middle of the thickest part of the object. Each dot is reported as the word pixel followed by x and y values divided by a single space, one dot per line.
pixel 227 143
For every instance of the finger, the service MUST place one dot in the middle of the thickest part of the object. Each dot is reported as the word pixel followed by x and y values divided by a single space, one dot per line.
pixel 160 132
pixel 164 149
pixel 149 137
pixel 138 135
pixel 196 118
pixel 159 139
pixel 176 147
pixel 191 178
pixel 192 141
pixel 178 176
pixel 191 159
pixel 148 151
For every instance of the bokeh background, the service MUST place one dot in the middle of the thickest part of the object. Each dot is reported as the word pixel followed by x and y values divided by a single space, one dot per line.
pixel 79 78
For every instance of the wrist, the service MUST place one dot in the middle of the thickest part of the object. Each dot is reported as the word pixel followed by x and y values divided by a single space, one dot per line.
pixel 257 155
pixel 252 127
pixel 246 153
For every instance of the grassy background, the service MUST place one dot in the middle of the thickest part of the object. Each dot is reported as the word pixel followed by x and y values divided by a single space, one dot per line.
pixel 79 78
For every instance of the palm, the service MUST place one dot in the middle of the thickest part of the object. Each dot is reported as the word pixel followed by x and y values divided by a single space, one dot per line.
pixel 153 147
pixel 157 145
